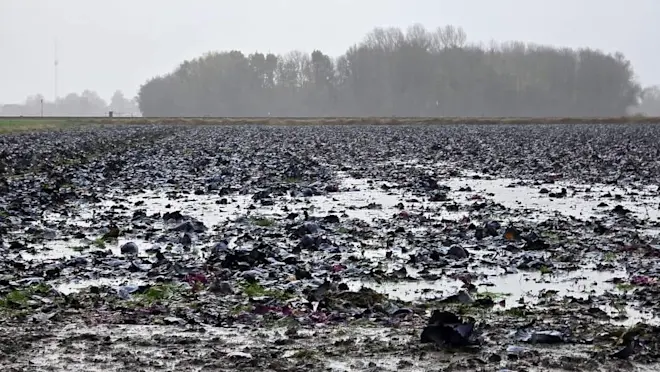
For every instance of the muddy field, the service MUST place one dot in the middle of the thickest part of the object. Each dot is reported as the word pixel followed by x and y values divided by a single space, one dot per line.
pixel 331 248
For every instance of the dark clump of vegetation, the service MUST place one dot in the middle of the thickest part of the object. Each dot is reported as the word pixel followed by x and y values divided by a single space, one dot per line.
pixel 18 298
pixel 158 293
pixel 257 290
pixel 263 222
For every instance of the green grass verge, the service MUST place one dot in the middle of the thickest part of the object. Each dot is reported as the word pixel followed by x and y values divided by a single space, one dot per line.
pixel 11 124
pixel 33 124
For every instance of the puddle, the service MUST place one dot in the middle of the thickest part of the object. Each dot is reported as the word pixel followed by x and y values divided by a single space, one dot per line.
pixel 353 202
pixel 583 205
pixel 653 233
pixel 529 285
pixel 526 285
pixel 630 316
pixel 202 207
pixel 78 285
pixel 361 200
pixel 57 249
pixel 205 207
pixel 237 334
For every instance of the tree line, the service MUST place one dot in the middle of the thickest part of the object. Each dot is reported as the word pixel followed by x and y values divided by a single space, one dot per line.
pixel 88 103
pixel 395 73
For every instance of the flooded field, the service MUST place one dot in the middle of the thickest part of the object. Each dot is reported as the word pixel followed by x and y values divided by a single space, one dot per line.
pixel 347 248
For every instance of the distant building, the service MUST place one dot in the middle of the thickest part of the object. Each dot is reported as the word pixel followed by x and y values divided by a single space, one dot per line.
pixel 12 110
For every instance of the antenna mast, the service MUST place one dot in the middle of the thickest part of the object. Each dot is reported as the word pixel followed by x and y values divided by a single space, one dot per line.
pixel 57 62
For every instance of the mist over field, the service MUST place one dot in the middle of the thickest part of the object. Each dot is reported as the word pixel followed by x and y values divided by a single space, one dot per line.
pixel 295 58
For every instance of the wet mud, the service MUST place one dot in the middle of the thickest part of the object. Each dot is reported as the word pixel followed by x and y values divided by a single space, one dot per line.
pixel 330 248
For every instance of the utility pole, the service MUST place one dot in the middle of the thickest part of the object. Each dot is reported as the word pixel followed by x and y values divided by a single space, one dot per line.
pixel 57 62
pixel 42 107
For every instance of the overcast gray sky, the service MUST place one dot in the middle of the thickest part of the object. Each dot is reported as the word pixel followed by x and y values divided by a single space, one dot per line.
pixel 118 44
